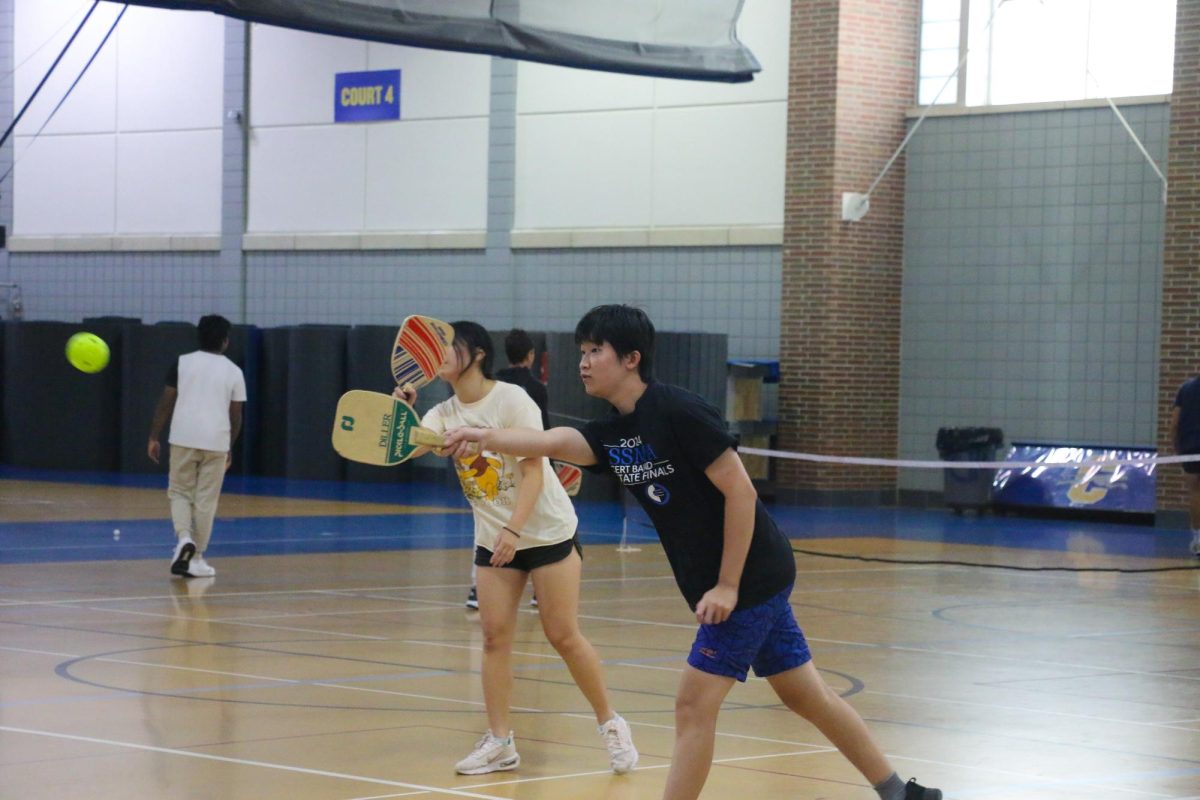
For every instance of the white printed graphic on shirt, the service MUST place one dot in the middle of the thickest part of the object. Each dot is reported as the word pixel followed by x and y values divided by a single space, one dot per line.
pixel 635 462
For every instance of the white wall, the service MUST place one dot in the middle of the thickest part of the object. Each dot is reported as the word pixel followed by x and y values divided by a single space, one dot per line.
pixel 427 172
pixel 597 150
pixel 136 148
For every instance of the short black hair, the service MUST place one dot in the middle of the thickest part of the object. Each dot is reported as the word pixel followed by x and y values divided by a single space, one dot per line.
pixel 212 332
pixel 625 328
pixel 517 345
pixel 471 336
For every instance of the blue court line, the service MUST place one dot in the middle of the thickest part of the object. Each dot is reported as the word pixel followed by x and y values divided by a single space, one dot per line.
pixel 600 522
pixel 146 539
pixel 35 542
pixel 1030 533
pixel 419 492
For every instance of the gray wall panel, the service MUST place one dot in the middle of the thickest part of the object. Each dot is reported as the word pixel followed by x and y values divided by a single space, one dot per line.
pixel 1032 279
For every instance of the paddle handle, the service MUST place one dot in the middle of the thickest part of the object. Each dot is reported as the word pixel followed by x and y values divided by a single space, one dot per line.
pixel 427 438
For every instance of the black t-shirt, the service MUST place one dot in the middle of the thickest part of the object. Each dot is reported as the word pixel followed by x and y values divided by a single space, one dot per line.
pixel 1187 399
pixel 659 453
pixel 522 377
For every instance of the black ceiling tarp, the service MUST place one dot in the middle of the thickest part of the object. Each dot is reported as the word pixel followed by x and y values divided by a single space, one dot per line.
pixel 688 39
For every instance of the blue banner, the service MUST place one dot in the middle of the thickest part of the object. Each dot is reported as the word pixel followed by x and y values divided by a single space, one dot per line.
pixel 366 96
pixel 1068 481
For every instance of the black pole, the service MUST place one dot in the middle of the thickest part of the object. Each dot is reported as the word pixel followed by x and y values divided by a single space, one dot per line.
pixel 46 77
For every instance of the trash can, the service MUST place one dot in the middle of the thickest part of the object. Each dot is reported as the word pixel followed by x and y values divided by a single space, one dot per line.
pixel 968 488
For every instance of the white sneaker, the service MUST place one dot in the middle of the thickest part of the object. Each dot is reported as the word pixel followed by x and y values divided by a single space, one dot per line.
pixel 490 755
pixel 1196 543
pixel 184 550
pixel 199 568
pixel 619 740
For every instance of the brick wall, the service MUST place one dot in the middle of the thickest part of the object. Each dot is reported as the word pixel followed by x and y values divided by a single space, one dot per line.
pixel 1179 356
pixel 852 76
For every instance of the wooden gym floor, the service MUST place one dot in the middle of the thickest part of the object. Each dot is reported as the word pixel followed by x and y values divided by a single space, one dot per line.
pixel 332 657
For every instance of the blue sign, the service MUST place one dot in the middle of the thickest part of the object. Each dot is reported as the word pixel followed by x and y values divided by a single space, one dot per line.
pixel 366 96
pixel 1076 477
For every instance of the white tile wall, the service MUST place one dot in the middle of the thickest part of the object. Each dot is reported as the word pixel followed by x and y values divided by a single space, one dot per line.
pixel 165 182
pixel 146 115
pixel 713 154
pixel 427 172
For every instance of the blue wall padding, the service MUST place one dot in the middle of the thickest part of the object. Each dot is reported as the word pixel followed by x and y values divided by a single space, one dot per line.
pixel 273 402
pixel 56 416
pixel 316 378
pixel 148 353
pixel 53 416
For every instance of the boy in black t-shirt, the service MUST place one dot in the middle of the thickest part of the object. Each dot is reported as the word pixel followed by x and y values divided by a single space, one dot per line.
pixel 671 450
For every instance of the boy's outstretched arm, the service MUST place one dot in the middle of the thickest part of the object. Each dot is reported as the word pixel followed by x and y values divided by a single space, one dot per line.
pixel 564 444
pixel 730 478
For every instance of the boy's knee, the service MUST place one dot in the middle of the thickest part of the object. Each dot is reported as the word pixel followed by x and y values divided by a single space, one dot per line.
pixel 811 704
pixel 690 711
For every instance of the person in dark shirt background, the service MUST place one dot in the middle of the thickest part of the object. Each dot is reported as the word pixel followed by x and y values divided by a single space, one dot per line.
pixel 518 347
pixel 1185 437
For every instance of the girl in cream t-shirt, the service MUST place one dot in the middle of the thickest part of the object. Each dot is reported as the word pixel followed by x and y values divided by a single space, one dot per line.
pixel 524 528
pixel 490 481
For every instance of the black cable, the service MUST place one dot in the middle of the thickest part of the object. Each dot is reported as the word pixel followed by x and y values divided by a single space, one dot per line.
pixel 70 88
pixel 1192 568
pixel 46 77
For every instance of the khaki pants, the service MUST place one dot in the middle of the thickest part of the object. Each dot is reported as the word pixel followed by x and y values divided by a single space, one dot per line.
pixel 194 489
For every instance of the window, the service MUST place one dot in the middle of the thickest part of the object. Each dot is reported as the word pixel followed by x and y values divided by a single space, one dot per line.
pixel 1031 51
pixel 941 21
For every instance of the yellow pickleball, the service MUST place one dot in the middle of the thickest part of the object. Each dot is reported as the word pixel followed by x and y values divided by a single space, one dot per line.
pixel 87 352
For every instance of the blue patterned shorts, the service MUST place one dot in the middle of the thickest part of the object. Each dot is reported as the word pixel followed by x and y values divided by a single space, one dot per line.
pixel 764 636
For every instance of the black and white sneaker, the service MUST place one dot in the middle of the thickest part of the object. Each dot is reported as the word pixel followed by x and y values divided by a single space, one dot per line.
pixel 183 557
pixel 472 598
pixel 915 791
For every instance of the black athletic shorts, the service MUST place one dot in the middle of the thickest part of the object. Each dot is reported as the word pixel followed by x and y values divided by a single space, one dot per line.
pixel 533 557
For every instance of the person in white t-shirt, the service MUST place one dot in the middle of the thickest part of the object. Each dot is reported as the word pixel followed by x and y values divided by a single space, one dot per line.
pixel 525 527
pixel 206 392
